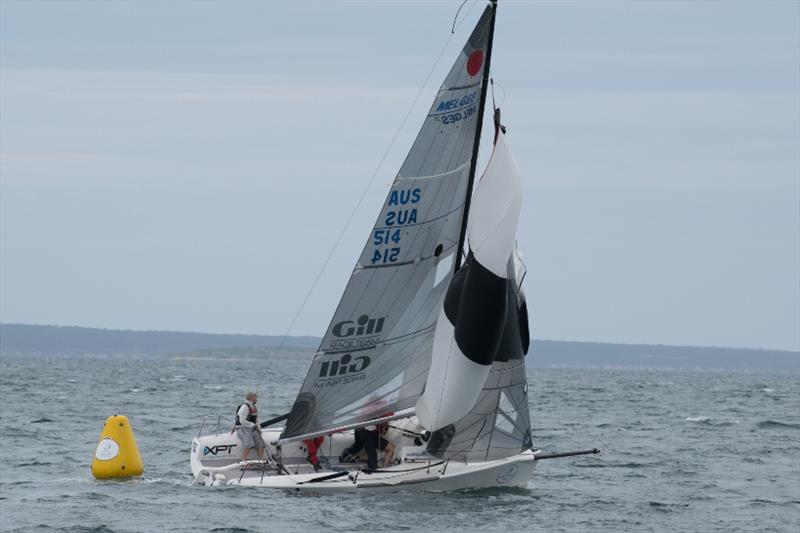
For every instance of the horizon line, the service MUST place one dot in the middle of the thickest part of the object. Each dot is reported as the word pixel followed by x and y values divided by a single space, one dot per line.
pixel 792 351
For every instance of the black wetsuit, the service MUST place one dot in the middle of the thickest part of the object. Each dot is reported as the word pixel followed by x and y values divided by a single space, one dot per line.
pixel 371 441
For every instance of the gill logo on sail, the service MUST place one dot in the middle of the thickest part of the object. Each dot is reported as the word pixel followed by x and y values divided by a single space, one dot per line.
pixel 363 326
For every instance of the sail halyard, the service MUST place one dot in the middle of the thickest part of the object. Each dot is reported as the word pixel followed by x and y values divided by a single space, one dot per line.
pixel 373 361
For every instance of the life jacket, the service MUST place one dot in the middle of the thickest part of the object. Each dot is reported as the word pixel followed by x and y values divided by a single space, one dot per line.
pixel 252 415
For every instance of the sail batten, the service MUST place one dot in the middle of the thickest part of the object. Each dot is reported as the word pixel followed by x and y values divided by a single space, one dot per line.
pixel 462 87
pixel 433 176
pixel 453 211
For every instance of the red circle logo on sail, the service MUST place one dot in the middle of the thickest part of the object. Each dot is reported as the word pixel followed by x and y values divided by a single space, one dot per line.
pixel 475 62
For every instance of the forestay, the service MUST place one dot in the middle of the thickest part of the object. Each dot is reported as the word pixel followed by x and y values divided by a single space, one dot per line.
pixel 374 357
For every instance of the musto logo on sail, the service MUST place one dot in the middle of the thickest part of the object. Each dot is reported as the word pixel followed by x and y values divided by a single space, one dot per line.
pixel 346 369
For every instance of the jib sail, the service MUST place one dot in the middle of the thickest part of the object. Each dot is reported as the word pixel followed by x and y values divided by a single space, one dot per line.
pixel 498 425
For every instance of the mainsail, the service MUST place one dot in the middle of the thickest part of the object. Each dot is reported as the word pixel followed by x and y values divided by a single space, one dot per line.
pixel 374 358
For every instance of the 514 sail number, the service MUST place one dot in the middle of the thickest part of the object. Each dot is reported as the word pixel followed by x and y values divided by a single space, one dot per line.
pixel 385 237
pixel 387 255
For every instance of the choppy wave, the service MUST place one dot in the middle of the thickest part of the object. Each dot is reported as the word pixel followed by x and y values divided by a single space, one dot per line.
pixel 773 424
pixel 668 507
pixel 32 463
pixel 626 465
pixel 88 529
pixel 658 471
pixel 70 529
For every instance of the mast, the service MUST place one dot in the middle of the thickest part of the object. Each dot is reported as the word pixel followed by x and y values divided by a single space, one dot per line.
pixel 474 160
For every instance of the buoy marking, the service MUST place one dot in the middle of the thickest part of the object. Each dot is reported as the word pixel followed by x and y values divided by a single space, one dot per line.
pixel 107 449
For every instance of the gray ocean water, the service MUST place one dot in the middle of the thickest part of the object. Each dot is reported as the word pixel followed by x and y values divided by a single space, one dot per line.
pixel 681 451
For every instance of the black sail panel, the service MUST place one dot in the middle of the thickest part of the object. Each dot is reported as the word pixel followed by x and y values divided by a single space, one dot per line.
pixel 498 425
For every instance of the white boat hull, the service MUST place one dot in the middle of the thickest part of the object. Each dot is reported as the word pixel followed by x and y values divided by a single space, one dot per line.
pixel 215 461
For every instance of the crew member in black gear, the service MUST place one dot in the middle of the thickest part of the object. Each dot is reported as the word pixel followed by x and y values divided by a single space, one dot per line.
pixel 370 439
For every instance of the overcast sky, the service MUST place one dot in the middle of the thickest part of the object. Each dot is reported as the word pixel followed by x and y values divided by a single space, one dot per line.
pixel 189 165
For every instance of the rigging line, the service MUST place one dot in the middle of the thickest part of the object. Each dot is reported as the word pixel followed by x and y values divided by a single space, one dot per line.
pixel 473 164
pixel 503 100
pixel 369 183
pixel 477 139
pixel 491 434
pixel 494 105
pixel 446 375
pixel 456 17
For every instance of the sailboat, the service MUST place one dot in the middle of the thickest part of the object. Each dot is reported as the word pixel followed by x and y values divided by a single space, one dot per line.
pixel 429 338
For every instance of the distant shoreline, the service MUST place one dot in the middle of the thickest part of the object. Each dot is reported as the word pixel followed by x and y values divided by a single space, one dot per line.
pixel 24 339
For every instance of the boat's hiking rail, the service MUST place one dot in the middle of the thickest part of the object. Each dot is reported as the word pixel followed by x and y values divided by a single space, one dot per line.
pixel 213 424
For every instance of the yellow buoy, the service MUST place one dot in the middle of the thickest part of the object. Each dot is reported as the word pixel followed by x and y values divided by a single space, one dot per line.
pixel 117 455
